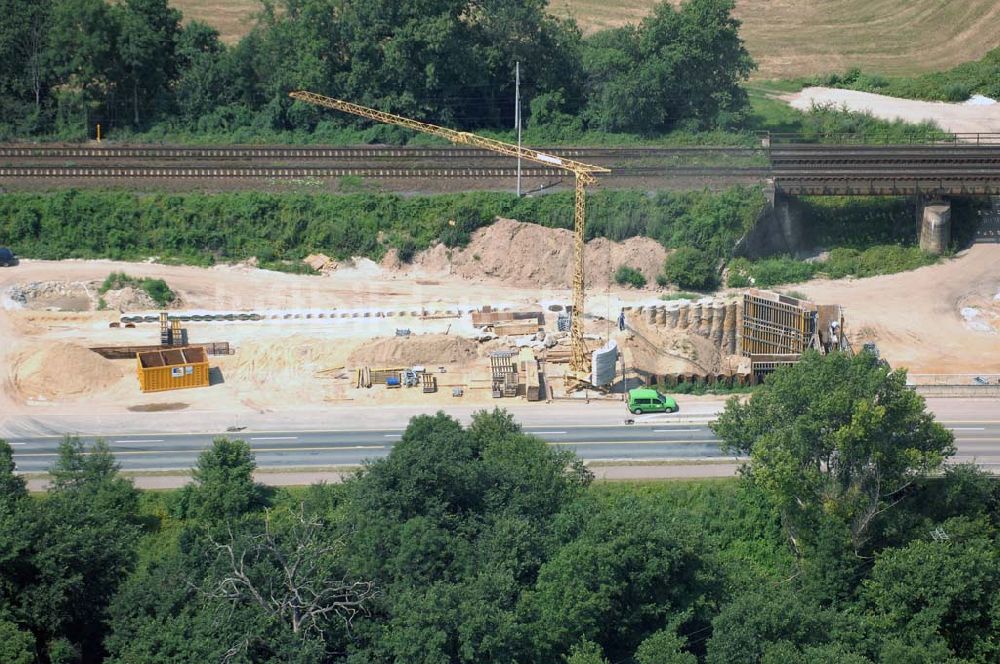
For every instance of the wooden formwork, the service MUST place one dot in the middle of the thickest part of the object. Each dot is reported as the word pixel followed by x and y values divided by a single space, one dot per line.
pixel 776 324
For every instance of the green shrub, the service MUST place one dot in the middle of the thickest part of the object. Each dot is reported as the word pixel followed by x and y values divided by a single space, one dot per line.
pixel 629 276
pixel 680 295
pixel 157 289
pixel 881 259
pixel 692 268
pixel 768 272
pixel 205 228
pixel 843 262
pixel 956 84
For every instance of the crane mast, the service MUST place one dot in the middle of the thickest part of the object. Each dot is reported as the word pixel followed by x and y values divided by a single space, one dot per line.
pixel 583 176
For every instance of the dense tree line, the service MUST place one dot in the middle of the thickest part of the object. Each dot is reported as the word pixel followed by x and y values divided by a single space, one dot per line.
pixel 202 228
pixel 66 65
pixel 482 544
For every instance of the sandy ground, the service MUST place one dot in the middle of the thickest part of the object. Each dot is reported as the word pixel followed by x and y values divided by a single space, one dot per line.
pixel 958 118
pixel 939 319
pixel 279 366
pixel 922 319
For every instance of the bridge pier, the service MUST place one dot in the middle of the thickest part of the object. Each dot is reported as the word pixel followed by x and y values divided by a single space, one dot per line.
pixel 779 228
pixel 934 224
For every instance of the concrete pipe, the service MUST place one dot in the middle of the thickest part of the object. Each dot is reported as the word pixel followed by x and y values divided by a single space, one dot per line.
pixel 729 330
pixel 694 318
pixel 672 314
pixel 718 321
pixel 651 315
pixel 683 316
pixel 661 316
pixel 705 324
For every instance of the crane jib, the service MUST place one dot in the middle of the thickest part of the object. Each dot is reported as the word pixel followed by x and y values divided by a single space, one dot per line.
pixel 580 365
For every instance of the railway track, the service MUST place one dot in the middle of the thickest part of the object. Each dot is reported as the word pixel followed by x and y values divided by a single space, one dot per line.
pixel 66 172
pixel 795 168
pixel 375 152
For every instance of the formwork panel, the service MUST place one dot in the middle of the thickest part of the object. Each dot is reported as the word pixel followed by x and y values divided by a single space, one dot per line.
pixel 776 324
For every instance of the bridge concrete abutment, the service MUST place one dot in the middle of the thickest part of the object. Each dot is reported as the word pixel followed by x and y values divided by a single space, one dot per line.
pixel 779 228
pixel 934 224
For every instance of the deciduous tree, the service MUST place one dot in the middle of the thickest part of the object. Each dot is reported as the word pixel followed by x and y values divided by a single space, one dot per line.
pixel 835 436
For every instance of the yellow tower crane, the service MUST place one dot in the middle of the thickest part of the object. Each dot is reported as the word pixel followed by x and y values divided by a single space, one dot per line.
pixel 584 175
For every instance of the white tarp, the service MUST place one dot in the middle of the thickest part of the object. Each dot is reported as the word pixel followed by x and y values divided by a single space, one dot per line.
pixel 604 365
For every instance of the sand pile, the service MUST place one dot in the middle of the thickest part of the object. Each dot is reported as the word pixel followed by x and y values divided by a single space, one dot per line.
pixel 528 255
pixel 283 363
pixel 428 350
pixel 61 370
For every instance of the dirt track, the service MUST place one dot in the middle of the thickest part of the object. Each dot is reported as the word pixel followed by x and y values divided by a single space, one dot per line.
pixel 958 118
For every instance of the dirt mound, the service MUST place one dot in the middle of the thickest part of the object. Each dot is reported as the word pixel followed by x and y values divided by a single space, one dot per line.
pixel 429 350
pixel 129 299
pixel 61 370
pixel 524 254
pixel 54 295
pixel 285 361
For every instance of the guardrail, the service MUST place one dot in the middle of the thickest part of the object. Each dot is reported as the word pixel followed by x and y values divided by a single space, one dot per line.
pixel 975 380
pixel 928 138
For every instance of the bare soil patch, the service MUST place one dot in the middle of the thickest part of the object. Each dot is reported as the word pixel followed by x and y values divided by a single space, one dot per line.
pixel 429 350
pixel 526 255
pixel 959 118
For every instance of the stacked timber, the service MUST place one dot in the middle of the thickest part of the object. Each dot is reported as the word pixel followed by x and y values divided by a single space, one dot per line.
pixel 516 327
pixel 529 370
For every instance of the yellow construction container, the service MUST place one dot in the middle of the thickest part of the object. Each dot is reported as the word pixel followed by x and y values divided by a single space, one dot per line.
pixel 172 369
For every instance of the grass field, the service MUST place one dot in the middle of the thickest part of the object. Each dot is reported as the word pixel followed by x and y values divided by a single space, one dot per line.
pixel 788 38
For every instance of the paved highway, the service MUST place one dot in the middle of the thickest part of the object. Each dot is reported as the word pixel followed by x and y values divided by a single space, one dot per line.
pixel 657 438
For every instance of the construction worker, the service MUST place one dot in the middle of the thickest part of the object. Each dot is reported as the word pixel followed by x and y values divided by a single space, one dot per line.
pixel 621 320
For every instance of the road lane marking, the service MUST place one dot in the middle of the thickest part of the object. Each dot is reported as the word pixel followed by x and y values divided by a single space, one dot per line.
pixel 967 428
pixel 393 435
pixel 545 433
pixel 144 440
pixel 255 449
pixel 639 442
pixel 672 430
pixel 17 443
pixel 277 438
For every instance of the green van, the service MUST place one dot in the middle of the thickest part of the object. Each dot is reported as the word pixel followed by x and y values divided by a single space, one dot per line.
pixel 646 400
